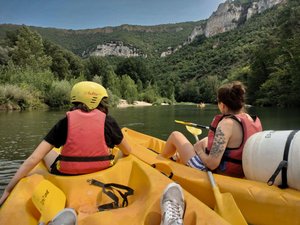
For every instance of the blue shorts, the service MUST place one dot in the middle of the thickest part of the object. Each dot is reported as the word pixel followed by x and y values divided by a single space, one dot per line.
pixel 196 162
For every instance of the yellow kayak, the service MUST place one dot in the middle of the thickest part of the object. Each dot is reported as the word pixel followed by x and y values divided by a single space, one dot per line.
pixel 258 202
pixel 143 206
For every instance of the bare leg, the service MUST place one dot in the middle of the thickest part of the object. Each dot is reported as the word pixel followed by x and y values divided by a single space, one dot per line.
pixel 49 158
pixel 177 141
pixel 201 145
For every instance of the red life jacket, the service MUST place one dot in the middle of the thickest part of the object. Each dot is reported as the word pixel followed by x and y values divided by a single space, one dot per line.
pixel 85 150
pixel 231 162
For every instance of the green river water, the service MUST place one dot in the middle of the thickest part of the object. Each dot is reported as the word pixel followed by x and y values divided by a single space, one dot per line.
pixel 20 132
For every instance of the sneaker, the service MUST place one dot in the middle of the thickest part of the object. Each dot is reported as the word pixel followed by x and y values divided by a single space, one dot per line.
pixel 66 216
pixel 175 157
pixel 172 205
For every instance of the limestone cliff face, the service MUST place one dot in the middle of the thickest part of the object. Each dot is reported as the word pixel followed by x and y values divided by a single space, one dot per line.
pixel 116 48
pixel 224 19
pixel 229 15
pixel 197 31
pixel 262 5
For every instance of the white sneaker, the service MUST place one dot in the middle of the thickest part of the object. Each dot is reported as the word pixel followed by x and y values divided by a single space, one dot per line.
pixel 66 216
pixel 175 157
pixel 172 205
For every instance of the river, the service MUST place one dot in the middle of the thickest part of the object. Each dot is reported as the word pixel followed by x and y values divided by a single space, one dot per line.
pixel 20 132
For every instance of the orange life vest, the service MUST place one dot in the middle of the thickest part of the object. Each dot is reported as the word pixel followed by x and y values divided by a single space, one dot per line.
pixel 85 150
pixel 231 162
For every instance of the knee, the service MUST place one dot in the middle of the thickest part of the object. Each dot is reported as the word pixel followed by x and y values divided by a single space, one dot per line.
pixel 177 138
pixel 176 134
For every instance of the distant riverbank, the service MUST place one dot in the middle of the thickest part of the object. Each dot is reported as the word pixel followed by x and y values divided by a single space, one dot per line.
pixel 123 104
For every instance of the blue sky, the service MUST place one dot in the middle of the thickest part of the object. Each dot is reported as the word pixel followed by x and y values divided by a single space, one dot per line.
pixel 84 14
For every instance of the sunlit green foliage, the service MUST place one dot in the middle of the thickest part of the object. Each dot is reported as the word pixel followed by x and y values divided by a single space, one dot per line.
pixel 136 68
pixel 264 53
pixel 13 97
pixel 59 94
pixel 28 50
pixel 129 90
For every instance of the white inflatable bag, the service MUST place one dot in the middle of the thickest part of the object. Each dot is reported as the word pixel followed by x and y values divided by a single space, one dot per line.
pixel 264 151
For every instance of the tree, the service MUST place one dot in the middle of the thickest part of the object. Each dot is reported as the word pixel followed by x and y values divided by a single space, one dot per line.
pixel 208 89
pixel 136 68
pixel 65 64
pixel 28 50
pixel 98 66
pixel 60 66
pixel 114 83
pixel 128 89
pixel 189 92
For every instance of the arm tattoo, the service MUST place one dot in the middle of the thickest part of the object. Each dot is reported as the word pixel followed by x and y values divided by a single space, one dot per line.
pixel 218 144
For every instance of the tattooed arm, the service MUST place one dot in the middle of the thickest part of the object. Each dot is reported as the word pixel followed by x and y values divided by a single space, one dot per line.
pixel 222 136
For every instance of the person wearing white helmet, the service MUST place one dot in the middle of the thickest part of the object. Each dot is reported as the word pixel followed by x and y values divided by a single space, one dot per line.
pixel 86 135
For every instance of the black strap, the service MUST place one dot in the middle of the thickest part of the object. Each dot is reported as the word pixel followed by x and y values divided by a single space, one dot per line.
pixel 109 189
pixel 232 160
pixel 213 129
pixel 85 158
pixel 283 164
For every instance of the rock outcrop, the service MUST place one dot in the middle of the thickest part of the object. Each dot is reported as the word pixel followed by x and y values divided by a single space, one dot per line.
pixel 228 16
pixel 231 14
pixel 224 19
pixel 262 5
pixel 116 48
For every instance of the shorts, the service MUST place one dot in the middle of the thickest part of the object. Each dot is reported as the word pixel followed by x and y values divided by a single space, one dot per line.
pixel 196 162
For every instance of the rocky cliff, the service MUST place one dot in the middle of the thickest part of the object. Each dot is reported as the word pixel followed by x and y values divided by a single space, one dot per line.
pixel 116 48
pixel 231 14
pixel 228 16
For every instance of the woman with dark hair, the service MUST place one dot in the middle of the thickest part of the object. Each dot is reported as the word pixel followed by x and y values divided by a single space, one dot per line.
pixel 86 135
pixel 221 151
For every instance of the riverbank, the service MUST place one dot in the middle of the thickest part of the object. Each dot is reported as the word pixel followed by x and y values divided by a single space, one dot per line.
pixel 123 104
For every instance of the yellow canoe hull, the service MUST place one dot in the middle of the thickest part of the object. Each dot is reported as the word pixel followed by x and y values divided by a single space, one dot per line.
pixel 143 207
pixel 258 202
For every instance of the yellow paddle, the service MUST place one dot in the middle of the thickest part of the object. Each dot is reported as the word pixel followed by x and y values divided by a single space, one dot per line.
pixel 226 207
pixel 49 200
pixel 193 130
pixel 192 124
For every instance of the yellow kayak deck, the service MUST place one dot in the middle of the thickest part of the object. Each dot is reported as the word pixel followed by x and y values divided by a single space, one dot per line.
pixel 143 206
pixel 258 202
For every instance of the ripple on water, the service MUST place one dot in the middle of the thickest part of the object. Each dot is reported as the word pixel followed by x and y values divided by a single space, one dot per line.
pixel 7 171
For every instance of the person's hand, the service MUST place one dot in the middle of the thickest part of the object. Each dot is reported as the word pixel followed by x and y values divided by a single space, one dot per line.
pixel 4 197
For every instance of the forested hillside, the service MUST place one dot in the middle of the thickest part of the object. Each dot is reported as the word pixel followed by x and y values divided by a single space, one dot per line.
pixel 264 53
pixel 39 66
pixel 152 40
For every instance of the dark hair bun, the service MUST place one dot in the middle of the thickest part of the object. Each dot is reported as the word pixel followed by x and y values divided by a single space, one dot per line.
pixel 233 95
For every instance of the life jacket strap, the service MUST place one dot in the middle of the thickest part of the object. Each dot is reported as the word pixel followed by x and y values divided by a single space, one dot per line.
pixel 85 158
pixel 109 190
pixel 232 160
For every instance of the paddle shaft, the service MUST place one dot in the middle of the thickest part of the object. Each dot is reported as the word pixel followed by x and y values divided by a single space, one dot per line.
pixel 225 204
pixel 199 126
pixel 192 124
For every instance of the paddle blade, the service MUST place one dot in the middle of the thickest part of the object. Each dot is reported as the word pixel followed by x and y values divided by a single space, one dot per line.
pixel 193 130
pixel 227 208
pixel 48 199
pixel 182 122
